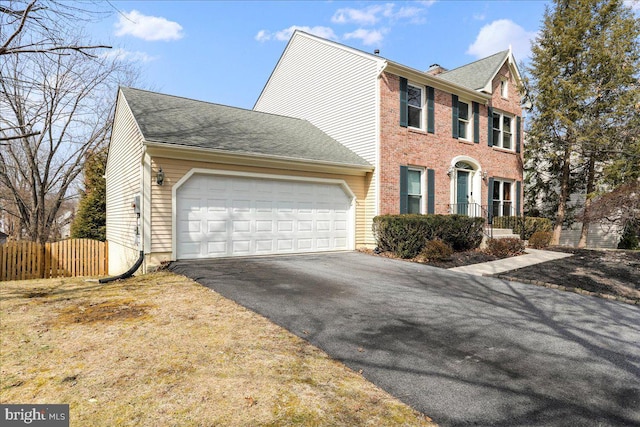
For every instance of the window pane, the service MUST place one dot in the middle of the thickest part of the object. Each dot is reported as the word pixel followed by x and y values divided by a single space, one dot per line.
pixel 496 121
pixel 414 183
pixel 463 111
pixel 506 191
pixel 496 137
pixel 506 209
pixel 506 124
pixel 506 141
pixel 496 209
pixel 414 204
pixel 462 129
pixel 415 116
pixel 496 190
pixel 414 96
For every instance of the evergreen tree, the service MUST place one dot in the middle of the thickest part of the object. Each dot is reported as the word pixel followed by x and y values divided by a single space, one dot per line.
pixel 91 218
pixel 584 87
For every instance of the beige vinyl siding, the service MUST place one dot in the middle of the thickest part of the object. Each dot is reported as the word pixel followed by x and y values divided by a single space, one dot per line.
pixel 334 88
pixel 123 177
pixel 161 196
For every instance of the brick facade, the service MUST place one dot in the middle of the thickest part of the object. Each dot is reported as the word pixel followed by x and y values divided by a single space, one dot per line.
pixel 411 147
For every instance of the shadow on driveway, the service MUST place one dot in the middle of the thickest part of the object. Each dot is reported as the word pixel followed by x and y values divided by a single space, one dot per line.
pixel 464 350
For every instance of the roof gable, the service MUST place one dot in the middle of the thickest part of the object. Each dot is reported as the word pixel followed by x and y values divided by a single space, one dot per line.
pixel 196 124
pixel 478 75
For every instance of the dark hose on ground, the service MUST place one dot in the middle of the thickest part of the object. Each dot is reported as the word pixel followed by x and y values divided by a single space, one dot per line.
pixel 127 273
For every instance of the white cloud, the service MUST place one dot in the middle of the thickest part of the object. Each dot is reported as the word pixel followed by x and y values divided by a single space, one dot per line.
pixel 633 4
pixel 150 28
pixel 479 16
pixel 368 37
pixel 498 35
pixel 372 15
pixel 263 36
pixel 128 56
pixel 366 16
pixel 285 35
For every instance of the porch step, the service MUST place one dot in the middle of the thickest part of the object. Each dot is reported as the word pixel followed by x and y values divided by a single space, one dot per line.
pixel 498 233
pixel 502 233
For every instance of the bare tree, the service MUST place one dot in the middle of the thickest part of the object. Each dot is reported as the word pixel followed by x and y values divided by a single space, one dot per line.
pixel 53 110
pixel 620 206
pixel 39 26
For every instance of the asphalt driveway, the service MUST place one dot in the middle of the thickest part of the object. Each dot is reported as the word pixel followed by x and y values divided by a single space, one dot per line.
pixel 464 350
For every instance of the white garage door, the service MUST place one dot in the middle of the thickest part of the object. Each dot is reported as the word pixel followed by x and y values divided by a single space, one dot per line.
pixel 220 216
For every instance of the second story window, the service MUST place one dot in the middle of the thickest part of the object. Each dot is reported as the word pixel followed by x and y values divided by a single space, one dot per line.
pixel 502 131
pixel 414 106
pixel 463 120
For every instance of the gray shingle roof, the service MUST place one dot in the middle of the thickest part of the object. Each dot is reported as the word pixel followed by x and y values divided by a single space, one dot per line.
pixel 477 74
pixel 180 121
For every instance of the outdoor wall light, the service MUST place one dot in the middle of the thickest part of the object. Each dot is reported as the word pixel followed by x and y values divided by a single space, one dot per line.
pixel 160 177
pixel 485 174
pixel 449 171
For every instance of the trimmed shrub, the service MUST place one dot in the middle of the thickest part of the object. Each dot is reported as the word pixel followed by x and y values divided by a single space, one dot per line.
pixel 531 224
pixel 503 248
pixel 540 239
pixel 436 250
pixel 404 235
pixel 407 235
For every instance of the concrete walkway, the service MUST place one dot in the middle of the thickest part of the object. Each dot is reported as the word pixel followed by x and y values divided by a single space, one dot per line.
pixel 531 257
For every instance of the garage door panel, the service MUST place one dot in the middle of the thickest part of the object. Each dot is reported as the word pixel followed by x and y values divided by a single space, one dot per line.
pixel 305 226
pixel 191 249
pixel 221 216
pixel 264 206
pixel 216 205
pixel 305 244
pixel 285 226
pixel 216 226
pixel 264 246
pixel 264 226
pixel 241 247
pixel 285 245
pixel 216 248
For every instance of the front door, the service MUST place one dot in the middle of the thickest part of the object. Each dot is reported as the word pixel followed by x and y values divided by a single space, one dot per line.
pixel 462 192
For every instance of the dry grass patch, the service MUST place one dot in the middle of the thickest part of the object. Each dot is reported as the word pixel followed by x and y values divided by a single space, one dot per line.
pixel 162 350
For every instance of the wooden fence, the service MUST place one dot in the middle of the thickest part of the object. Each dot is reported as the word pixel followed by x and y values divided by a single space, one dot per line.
pixel 67 258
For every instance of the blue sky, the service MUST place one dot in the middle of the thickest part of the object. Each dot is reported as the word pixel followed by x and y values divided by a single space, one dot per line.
pixel 224 51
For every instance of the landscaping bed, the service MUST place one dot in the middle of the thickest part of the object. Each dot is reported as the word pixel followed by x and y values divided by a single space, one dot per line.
pixel 606 273
pixel 612 274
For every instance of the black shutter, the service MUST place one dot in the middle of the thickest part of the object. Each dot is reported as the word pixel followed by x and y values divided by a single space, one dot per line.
pixel 404 189
pixel 518 131
pixel 476 122
pixel 403 102
pixel 431 128
pixel 490 121
pixel 490 200
pixel 431 191
pixel 518 191
pixel 454 116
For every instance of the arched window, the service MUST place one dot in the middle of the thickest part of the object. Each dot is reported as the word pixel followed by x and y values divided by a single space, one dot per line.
pixel 464 165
